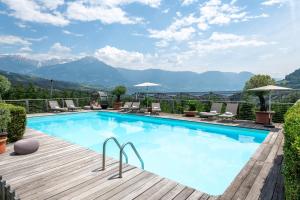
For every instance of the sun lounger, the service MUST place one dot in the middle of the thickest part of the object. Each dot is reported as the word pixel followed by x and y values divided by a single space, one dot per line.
pixel 71 106
pixel 214 110
pixel 95 106
pixel 55 107
pixel 126 107
pixel 231 111
pixel 135 107
pixel 155 108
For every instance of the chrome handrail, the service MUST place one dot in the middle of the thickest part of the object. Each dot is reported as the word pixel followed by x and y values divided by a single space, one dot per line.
pixel 104 150
pixel 121 157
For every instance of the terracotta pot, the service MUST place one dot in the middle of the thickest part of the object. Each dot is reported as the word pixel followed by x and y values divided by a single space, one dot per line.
pixel 3 145
pixel 117 105
pixel 190 113
pixel 262 117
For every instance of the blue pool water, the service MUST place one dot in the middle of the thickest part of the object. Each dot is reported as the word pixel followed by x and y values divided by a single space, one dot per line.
pixel 204 156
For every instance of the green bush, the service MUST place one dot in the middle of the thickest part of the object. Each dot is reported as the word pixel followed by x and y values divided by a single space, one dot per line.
pixel 246 111
pixel 291 168
pixel 280 110
pixel 4 119
pixel 16 127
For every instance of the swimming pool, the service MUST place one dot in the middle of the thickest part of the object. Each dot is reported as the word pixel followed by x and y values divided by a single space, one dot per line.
pixel 204 156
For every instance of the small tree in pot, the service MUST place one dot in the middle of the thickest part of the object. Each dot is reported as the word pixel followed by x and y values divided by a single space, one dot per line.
pixel 118 92
pixel 259 81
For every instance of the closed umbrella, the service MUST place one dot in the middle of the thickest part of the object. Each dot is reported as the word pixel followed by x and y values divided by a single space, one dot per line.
pixel 147 85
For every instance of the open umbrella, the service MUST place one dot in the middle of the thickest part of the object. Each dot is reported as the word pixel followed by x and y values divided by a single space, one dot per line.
pixel 269 88
pixel 147 85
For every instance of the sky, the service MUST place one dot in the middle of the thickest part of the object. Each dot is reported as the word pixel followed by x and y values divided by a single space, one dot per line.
pixel 260 36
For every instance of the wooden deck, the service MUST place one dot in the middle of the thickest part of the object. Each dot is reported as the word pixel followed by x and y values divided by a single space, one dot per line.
pixel 61 170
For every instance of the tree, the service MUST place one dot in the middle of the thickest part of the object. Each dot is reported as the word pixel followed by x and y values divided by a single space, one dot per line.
pixel 4 85
pixel 259 81
pixel 118 91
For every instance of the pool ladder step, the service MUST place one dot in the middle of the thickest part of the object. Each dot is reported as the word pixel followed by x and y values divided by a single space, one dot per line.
pixel 122 152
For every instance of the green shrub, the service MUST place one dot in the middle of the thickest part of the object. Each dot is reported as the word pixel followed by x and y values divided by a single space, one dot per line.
pixel 16 127
pixel 4 119
pixel 291 168
pixel 280 110
pixel 246 111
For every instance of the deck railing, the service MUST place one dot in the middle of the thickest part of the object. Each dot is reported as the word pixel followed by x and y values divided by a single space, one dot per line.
pixel 6 193
pixel 42 105
pixel 168 105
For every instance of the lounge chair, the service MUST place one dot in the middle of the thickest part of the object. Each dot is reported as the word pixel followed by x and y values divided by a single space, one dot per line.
pixel 135 107
pixel 155 108
pixel 55 107
pixel 126 107
pixel 214 110
pixel 95 106
pixel 231 111
pixel 71 106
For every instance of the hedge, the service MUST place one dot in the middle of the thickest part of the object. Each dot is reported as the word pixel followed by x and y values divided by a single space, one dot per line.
pixel 291 168
pixel 15 128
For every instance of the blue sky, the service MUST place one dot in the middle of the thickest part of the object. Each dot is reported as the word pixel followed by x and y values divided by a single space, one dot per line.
pixel 261 36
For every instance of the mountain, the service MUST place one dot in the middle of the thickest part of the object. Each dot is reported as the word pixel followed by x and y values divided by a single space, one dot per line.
pixel 91 71
pixel 88 70
pixel 20 79
pixel 188 81
pixel 292 80
pixel 17 64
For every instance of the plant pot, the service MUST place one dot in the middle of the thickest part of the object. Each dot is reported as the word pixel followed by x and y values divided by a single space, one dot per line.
pixel 263 117
pixel 190 113
pixel 3 135
pixel 3 145
pixel 104 106
pixel 117 105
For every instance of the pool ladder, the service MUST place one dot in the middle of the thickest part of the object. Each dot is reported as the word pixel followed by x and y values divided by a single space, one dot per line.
pixel 121 154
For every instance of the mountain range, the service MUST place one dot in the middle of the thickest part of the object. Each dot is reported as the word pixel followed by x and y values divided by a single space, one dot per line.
pixel 91 71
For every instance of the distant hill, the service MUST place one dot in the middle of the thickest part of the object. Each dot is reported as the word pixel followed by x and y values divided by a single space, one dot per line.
pixel 92 71
pixel 292 80
pixel 20 79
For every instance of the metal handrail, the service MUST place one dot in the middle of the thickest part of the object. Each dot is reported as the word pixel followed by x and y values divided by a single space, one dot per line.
pixel 121 158
pixel 104 150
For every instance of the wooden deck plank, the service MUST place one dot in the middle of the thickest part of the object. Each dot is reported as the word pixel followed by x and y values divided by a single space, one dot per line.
pixel 195 195
pixel 174 192
pixel 185 193
pixel 154 190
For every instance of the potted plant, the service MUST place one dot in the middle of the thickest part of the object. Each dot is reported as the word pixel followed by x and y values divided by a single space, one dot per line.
pixel 4 120
pixel 118 91
pixel 262 116
pixel 192 109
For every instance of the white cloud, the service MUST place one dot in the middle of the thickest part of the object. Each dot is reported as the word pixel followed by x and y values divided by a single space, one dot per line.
pixel 59 49
pixel 171 34
pixel 273 2
pixel 29 10
pixel 151 3
pixel 21 25
pixel 222 41
pixel 91 12
pixel 71 33
pixel 187 2
pixel 25 49
pixel 165 11
pixel 119 57
pixel 179 30
pixel 13 40
pixel 51 4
